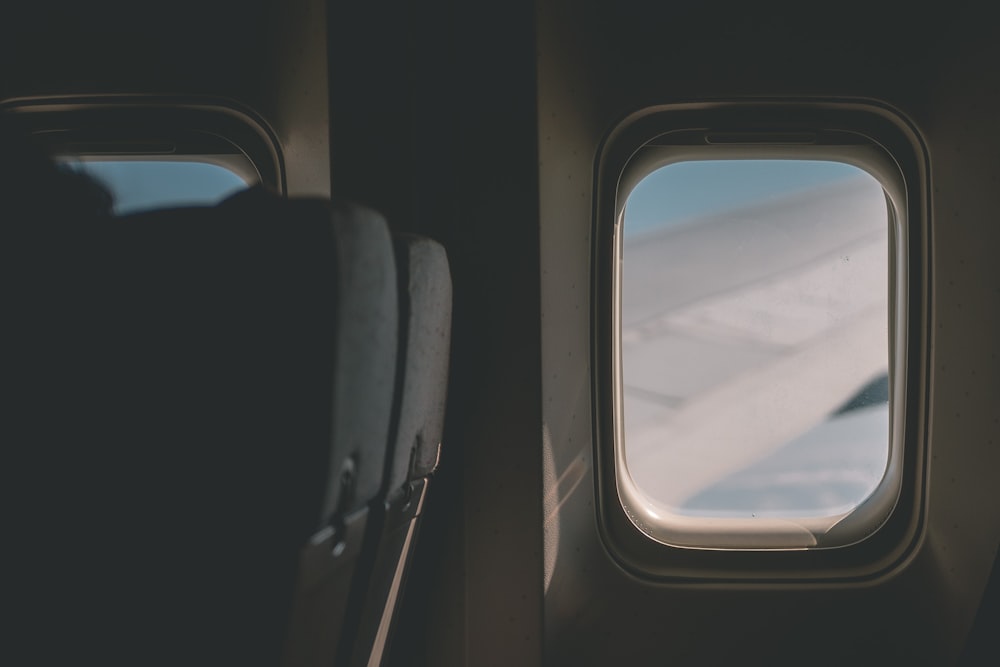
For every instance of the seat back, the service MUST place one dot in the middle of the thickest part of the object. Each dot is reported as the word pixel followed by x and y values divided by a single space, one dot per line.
pixel 245 458
pixel 363 389
pixel 425 337
pixel 243 361
pixel 229 328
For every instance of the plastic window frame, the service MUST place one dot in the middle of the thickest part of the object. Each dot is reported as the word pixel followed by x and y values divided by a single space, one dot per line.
pixel 867 135
pixel 165 128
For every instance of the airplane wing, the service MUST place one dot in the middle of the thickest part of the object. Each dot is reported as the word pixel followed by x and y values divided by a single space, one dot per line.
pixel 742 333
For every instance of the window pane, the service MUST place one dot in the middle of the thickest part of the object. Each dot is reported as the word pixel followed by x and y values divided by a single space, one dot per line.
pixel 139 185
pixel 754 338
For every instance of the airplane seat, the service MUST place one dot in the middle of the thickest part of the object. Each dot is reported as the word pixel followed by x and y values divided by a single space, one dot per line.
pixel 425 337
pixel 277 328
pixel 224 462
pixel 243 364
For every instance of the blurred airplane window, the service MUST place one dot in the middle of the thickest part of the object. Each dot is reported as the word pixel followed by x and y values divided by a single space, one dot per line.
pixel 145 184
pixel 754 338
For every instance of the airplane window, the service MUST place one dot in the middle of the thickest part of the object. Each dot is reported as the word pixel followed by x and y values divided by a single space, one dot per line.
pixel 754 341
pixel 145 184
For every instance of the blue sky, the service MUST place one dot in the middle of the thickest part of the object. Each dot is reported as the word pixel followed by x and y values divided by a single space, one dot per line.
pixel 138 185
pixel 678 192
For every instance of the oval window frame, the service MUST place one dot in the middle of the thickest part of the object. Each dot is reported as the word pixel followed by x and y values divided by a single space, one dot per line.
pixel 870 136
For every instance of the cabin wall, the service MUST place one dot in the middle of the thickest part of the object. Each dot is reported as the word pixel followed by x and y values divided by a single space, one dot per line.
pixel 599 61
